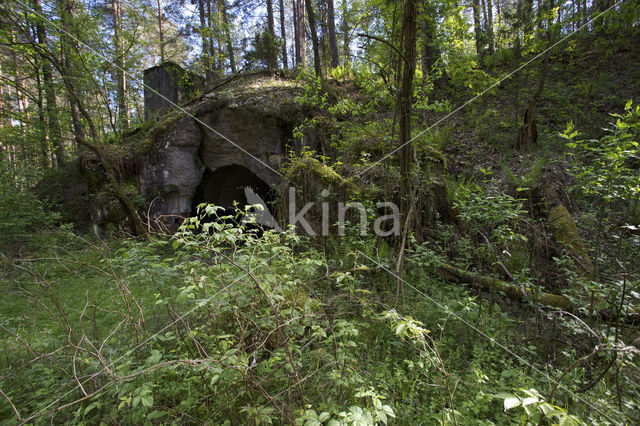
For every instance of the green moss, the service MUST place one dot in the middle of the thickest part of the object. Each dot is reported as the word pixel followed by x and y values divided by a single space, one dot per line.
pixel 566 235
pixel 438 157
pixel 311 168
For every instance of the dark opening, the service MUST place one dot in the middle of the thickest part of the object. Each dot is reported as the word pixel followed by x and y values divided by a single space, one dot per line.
pixel 227 184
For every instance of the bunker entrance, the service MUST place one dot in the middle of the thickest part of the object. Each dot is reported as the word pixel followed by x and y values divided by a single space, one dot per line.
pixel 227 184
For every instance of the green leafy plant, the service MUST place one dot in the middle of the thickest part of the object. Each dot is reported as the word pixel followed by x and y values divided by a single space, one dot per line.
pixel 535 408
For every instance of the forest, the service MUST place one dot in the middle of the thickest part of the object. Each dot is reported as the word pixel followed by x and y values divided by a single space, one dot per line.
pixel 320 212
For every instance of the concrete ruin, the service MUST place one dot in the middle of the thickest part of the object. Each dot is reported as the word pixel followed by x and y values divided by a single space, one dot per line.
pixel 215 149
pixel 166 85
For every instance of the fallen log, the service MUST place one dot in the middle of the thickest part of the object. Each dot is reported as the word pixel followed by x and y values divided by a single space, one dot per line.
pixel 514 291
pixel 521 293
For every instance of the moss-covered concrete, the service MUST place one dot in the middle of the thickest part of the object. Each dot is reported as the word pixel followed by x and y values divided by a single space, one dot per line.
pixel 310 168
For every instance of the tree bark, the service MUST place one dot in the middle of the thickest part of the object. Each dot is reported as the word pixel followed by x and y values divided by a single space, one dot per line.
pixel 212 62
pixel 300 37
pixel 48 157
pixel 204 34
pixel 513 291
pixel 55 131
pixel 123 112
pixel 272 61
pixel 296 48
pixel 270 23
pixel 429 53
pixel 489 25
pixel 317 63
pixel 477 27
pixel 161 32
pixel 222 4
pixel 345 34
pixel 405 100
pixel 67 46
pixel 333 42
pixel 21 100
pixel 283 34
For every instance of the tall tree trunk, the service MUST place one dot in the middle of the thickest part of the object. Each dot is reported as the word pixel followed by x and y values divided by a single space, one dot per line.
pixel 123 112
pixel 283 34
pixel 213 57
pixel 21 100
pixel 270 23
pixel 489 25
pixel 67 47
pixel 301 41
pixel 204 34
pixel 429 53
pixel 272 60
pixel 345 34
pixel 317 63
pixel 477 26
pixel 55 132
pixel 296 47
pixel 405 100
pixel 161 32
pixel 48 157
pixel 227 30
pixel 333 42
pixel 221 38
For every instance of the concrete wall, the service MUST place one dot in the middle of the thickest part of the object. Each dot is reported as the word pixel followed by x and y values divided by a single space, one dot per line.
pixel 168 84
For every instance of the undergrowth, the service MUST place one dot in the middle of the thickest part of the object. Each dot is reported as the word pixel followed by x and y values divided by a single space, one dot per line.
pixel 220 326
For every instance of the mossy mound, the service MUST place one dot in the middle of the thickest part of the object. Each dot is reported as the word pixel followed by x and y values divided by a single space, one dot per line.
pixel 566 235
pixel 309 182
pixel 309 172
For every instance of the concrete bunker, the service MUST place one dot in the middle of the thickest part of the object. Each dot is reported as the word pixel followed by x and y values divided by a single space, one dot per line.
pixel 227 185
pixel 224 142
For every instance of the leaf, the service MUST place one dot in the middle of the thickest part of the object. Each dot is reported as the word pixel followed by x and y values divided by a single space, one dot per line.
pixel 504 395
pixel 389 411
pixel 91 407
pixel 628 104
pixel 401 328
pixel 147 400
pixel 512 402
pixel 155 414
pixel 323 416
pixel 621 124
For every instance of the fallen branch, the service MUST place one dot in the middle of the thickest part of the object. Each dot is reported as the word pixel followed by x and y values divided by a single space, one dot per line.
pixel 521 293
pixel 512 290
